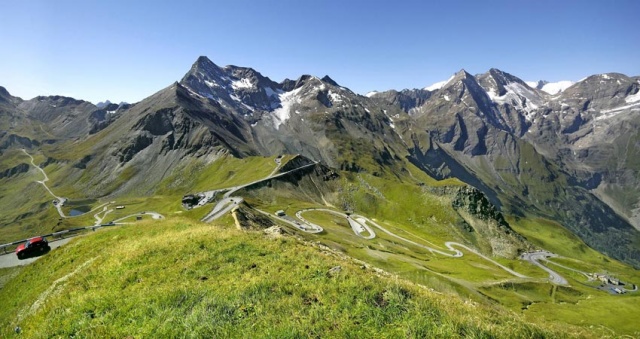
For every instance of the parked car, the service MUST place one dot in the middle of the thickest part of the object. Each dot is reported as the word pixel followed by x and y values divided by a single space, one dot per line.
pixel 33 246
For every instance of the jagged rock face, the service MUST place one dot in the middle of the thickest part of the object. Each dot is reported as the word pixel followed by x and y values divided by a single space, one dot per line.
pixel 7 99
pixel 485 219
pixel 169 131
pixel 240 89
pixel 12 122
pixel 581 114
pixel 405 99
pixel 513 98
pixel 247 218
pixel 310 116
pixel 592 131
pixel 474 201
pixel 15 170
pixel 532 151
pixel 483 223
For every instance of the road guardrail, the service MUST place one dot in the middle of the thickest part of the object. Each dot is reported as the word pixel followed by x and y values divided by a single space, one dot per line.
pixel 59 235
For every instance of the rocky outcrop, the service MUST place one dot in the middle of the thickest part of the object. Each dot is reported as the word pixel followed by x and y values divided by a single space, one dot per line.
pixel 17 140
pixel 476 203
pixel 297 162
pixel 486 224
pixel 246 218
pixel 9 172
pixel 406 99
pixel 316 183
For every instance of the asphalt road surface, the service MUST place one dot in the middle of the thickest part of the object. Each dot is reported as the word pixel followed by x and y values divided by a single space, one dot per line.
pixel 227 202
pixel 313 227
pixel 11 259
pixel 298 225
pixel 358 223
pixel 535 257
pixel 222 207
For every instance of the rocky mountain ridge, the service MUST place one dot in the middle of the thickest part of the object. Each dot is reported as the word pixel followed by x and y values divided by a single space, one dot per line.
pixel 569 156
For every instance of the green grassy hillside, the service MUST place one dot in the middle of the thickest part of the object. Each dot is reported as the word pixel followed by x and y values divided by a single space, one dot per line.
pixel 415 212
pixel 177 278
pixel 26 208
pixel 411 205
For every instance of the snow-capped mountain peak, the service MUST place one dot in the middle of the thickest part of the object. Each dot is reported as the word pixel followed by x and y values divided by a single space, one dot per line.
pixel 504 88
pixel 537 84
pixel 242 89
pixel 552 88
pixel 438 85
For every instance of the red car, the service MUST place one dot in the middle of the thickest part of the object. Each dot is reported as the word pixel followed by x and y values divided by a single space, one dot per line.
pixel 34 246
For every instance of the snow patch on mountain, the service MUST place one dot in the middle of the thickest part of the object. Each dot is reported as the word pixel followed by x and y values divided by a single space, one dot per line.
pixel 370 94
pixel 438 85
pixel 242 83
pixel 211 84
pixel 287 100
pixel 335 97
pixel 319 88
pixel 238 100
pixel 610 113
pixel 521 97
pixel 532 84
pixel 270 92
pixel 557 87
pixel 633 98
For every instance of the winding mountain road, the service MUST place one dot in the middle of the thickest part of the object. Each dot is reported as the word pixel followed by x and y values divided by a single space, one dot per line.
pixel 226 204
pixel 222 207
pixel 104 212
pixel 359 226
pixel 566 268
pixel 313 228
pixel 535 257
pixel 60 200
pixel 154 215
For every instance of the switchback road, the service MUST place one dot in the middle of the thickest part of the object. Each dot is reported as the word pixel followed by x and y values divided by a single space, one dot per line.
pixel 60 200
pixel 535 257
pixel 226 204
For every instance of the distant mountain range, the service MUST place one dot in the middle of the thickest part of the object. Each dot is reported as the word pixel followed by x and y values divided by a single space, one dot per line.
pixel 551 87
pixel 565 151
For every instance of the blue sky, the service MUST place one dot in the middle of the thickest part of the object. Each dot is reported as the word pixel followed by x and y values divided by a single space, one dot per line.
pixel 127 50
